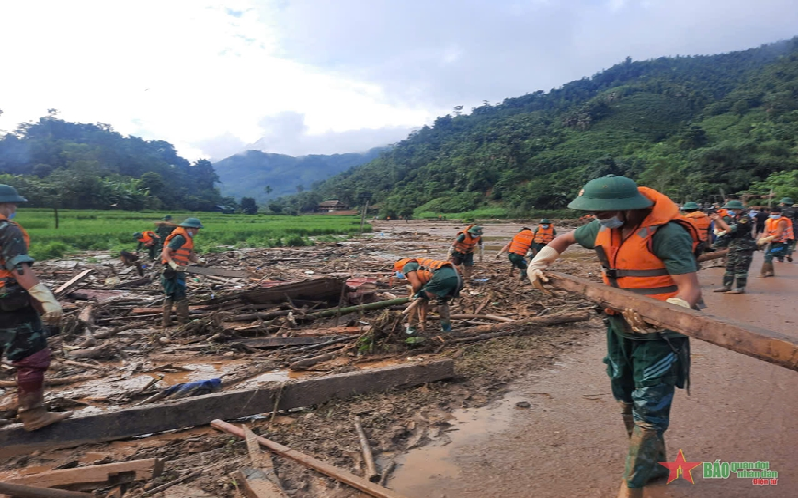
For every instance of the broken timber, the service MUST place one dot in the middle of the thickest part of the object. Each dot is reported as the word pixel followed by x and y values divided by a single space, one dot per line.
pixel 217 272
pixel 276 342
pixel 743 338
pixel 61 291
pixel 141 470
pixel 20 491
pixel 201 410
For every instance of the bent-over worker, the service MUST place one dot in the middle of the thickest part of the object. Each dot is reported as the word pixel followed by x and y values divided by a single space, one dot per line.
pixel 644 246
pixel 149 240
pixel 517 250
pixel 462 250
pixel 430 279
pixel 23 338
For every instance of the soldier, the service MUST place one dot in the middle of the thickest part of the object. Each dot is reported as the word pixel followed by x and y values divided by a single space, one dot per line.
pixel 645 246
pixel 23 337
pixel 177 252
pixel 544 234
pixel 462 250
pixel 700 221
pixel 736 235
pixel 430 279
pixel 791 213
pixel 148 239
pixel 779 231
pixel 517 250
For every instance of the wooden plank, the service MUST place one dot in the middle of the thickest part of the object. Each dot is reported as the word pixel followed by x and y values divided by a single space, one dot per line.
pixel 20 491
pixel 368 457
pixel 61 291
pixel 141 470
pixel 217 272
pixel 276 342
pixel 317 289
pixel 254 486
pixel 325 468
pixel 200 410
pixel 757 342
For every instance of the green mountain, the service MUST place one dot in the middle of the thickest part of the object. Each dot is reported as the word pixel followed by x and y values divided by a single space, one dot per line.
pixel 247 174
pixel 55 163
pixel 693 127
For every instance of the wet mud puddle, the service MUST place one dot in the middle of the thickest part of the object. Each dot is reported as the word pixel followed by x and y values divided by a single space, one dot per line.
pixel 420 469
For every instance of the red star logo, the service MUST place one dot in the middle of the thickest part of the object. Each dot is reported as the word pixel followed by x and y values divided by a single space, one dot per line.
pixel 680 468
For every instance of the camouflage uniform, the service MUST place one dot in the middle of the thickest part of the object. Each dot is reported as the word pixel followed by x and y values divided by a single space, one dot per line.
pixel 741 246
pixel 21 331
pixel 519 262
pixel 163 229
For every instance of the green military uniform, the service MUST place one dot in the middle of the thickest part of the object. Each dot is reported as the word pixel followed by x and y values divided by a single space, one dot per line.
pixel 790 212
pixel 445 284
pixel 174 282
pixel 644 368
pixel 537 246
pixel 518 261
pixel 465 259
pixel 741 246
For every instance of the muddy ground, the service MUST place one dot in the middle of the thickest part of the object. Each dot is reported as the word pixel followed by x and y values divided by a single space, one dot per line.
pixel 131 358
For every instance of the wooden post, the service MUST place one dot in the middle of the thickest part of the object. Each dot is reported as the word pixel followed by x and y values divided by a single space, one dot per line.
pixel 371 469
pixel 363 216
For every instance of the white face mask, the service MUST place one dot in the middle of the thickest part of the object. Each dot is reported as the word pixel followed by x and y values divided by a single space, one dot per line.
pixel 190 234
pixel 731 212
pixel 611 223
pixel 544 226
pixel 775 216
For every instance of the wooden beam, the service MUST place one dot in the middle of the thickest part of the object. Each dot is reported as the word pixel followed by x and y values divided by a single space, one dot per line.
pixel 750 340
pixel 537 321
pixel 313 463
pixel 20 491
pixel 61 291
pixel 254 484
pixel 140 470
pixel 217 272
pixel 200 410
pixel 276 342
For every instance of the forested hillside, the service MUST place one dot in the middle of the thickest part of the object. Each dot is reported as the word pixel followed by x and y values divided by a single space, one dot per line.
pixel 55 163
pixel 250 173
pixel 693 127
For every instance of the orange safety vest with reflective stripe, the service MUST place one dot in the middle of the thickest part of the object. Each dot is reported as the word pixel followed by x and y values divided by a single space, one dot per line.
pixel 701 222
pixel 722 212
pixel 468 243
pixel 6 277
pixel 148 238
pixel 521 242
pixel 427 267
pixel 772 227
pixel 544 235
pixel 630 263
pixel 181 256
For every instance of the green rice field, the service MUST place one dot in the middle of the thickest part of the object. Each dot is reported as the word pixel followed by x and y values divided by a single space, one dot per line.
pixel 113 230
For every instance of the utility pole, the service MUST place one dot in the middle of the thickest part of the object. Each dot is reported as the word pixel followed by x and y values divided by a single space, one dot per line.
pixel 363 216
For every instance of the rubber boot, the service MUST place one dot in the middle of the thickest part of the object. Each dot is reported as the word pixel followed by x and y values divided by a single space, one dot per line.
pixel 167 313
pixel 628 417
pixel 767 270
pixel 30 392
pixel 182 311
pixel 467 273
pixel 627 492
pixel 728 280
pixel 446 320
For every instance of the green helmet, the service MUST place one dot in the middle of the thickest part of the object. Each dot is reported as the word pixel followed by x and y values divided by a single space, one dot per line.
pixel 545 221
pixel 476 230
pixel 191 223
pixel 690 206
pixel 138 235
pixel 787 201
pixel 734 204
pixel 9 194
pixel 168 217
pixel 610 193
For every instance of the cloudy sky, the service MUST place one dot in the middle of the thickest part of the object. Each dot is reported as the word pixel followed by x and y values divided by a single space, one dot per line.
pixel 325 76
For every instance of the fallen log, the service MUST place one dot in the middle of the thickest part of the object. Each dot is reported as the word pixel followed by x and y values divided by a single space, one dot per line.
pixel 276 342
pixel 368 458
pixel 21 491
pixel 140 470
pixel 757 342
pixel 361 307
pixel 200 410
pixel 469 316
pixel 61 291
pixel 134 283
pixel 313 463
pixel 538 321
pixel 309 362
pixel 320 289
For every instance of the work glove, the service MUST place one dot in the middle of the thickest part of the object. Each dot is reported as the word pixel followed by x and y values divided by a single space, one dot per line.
pixel 202 261
pixel 176 267
pixel 679 302
pixel 52 308
pixel 765 240
pixel 544 258
pixel 451 251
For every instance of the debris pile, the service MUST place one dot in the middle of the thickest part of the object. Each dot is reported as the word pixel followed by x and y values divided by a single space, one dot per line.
pixel 273 333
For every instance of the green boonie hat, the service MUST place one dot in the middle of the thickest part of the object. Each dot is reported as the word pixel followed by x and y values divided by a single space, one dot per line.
pixel 9 194
pixel 545 221
pixel 788 201
pixel 690 205
pixel 610 193
pixel 734 204
pixel 476 230
pixel 191 223
pixel 168 217
pixel 138 235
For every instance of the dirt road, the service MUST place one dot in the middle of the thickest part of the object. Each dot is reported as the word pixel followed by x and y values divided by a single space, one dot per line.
pixel 571 441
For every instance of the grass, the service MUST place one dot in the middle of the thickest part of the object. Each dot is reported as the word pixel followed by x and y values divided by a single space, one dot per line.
pixel 113 230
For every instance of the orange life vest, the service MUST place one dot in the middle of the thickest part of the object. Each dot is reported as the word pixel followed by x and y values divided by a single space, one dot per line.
pixel 630 264
pixel 468 243
pixel 722 212
pixel 772 227
pixel 428 267
pixel 181 256
pixel 544 235
pixel 6 277
pixel 701 222
pixel 148 238
pixel 521 242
